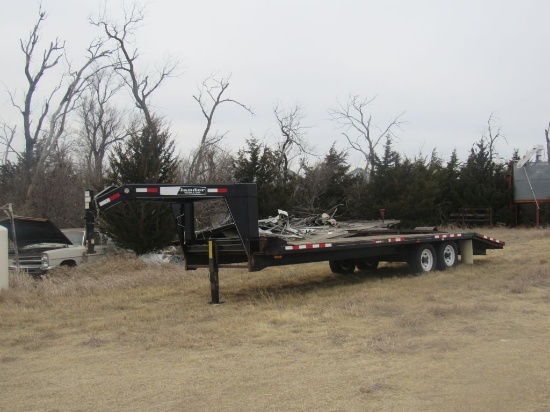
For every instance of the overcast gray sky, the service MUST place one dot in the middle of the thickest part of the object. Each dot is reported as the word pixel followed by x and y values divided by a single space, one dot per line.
pixel 447 64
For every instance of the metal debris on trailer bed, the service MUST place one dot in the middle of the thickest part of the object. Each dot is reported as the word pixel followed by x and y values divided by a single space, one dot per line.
pixel 322 225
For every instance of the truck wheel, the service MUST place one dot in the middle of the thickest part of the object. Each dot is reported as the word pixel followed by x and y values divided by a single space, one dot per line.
pixel 447 255
pixel 68 263
pixel 367 264
pixel 423 259
pixel 342 267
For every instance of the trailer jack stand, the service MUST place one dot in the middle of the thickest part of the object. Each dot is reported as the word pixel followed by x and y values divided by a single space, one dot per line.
pixel 213 268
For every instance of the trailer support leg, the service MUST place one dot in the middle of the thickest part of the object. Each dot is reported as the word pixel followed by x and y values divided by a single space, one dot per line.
pixel 467 251
pixel 213 268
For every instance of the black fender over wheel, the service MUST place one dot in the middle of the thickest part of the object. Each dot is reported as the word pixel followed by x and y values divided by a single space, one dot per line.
pixel 342 267
pixel 447 255
pixel 423 259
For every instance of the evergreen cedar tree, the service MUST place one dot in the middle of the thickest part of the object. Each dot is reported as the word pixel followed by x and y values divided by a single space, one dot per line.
pixel 420 191
pixel 139 226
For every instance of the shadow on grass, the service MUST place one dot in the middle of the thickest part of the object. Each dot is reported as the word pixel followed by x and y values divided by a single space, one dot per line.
pixel 302 286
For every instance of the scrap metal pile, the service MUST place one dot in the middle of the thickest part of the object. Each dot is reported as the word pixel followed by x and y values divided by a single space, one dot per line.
pixel 285 227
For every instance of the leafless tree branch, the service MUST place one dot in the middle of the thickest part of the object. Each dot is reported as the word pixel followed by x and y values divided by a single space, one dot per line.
pixel 102 123
pixel 209 98
pixel 493 134
pixel 7 136
pixel 124 60
pixel 357 125
pixel 72 82
pixel 293 141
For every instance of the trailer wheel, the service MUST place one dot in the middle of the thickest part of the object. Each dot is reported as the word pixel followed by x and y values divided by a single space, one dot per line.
pixel 447 255
pixel 367 264
pixel 423 259
pixel 342 267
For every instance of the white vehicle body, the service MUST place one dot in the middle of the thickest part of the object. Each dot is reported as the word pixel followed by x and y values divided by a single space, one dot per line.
pixel 77 253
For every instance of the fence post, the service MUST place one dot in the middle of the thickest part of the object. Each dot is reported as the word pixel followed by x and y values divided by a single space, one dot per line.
pixel 4 274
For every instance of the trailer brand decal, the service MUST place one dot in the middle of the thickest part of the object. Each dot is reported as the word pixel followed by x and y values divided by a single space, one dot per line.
pixel 192 191
pixel 308 246
pixel 109 199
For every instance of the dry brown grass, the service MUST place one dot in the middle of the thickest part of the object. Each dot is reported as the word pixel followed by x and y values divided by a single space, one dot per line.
pixel 124 335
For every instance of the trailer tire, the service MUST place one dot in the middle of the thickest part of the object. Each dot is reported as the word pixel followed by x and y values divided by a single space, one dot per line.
pixel 342 267
pixel 447 255
pixel 423 259
pixel 367 264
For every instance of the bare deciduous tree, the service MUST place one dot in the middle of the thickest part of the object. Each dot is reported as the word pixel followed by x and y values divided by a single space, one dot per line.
pixel 50 58
pixel 102 123
pixel 142 86
pixel 293 143
pixel 7 136
pixel 216 166
pixel 209 98
pixel 492 135
pixel 359 130
pixel 48 126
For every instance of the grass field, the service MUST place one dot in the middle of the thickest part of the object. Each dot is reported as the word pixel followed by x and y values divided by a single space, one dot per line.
pixel 127 336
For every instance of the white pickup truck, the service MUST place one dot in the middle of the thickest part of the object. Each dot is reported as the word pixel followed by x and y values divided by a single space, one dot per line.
pixel 37 245
pixel 77 253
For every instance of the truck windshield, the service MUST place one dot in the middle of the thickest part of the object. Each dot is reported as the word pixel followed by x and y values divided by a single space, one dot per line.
pixel 74 237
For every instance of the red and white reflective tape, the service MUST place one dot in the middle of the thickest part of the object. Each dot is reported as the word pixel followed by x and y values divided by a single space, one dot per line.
pixel 448 236
pixel 309 246
pixel 217 190
pixel 492 239
pixel 109 199
pixel 391 240
pixel 147 190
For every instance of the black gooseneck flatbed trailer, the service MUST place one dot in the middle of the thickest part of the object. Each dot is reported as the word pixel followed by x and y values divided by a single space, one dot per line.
pixel 423 250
